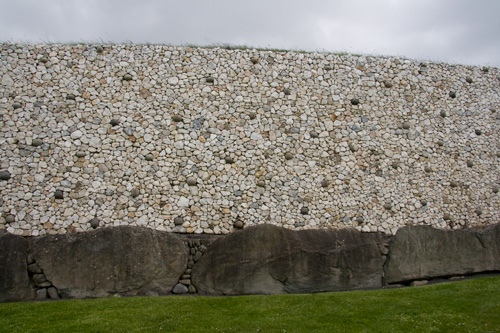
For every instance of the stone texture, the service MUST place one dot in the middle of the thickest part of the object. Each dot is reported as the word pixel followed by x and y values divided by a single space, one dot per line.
pixel 423 252
pixel 266 259
pixel 14 279
pixel 254 114
pixel 121 260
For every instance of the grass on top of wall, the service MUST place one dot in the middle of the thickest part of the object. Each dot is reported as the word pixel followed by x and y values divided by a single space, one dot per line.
pixel 465 306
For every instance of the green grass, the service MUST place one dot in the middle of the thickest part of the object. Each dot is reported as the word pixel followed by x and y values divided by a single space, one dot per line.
pixel 465 306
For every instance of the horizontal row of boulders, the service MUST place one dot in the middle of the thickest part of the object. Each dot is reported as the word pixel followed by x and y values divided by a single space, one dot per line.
pixel 263 259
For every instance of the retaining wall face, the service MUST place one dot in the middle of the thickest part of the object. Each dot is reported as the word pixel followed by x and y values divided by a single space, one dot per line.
pixel 144 134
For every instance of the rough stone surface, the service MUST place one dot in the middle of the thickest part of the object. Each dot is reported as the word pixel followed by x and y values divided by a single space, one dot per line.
pixel 14 279
pixel 266 259
pixel 120 260
pixel 423 252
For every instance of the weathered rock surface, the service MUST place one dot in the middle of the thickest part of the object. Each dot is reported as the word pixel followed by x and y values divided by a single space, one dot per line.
pixel 266 259
pixel 14 279
pixel 120 260
pixel 422 252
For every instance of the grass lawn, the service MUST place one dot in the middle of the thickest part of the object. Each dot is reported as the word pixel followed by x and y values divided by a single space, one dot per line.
pixel 465 306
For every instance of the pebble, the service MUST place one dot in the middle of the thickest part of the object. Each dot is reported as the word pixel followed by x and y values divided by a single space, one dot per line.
pixel 5 175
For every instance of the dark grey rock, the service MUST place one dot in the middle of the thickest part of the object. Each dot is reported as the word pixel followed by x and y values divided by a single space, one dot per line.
pixel 191 181
pixel 39 279
pixel 4 175
pixel 70 97
pixel 261 183
pixel 427 168
pixel 59 194
pixel 180 288
pixel 478 211
pixel 239 224
pixel 252 115
pixel 149 157
pixel 80 154
pixel 353 147
pixel 287 91
pixel 197 256
pixel 452 94
pixel 324 183
pixel 446 217
pixel 388 84
pixel 288 156
pixel 41 293
pixel 254 60
pixel 468 79
pixel 354 101
pixel 304 210
pixel 423 203
pixel 387 206
pixel 192 289
pixel 478 132
pixel 114 122
pixel 128 131
pixel 266 259
pixel 453 183
pixel 440 143
pixel 443 113
pixel 10 218
pixel 53 293
pixel 135 193
pixel 495 189
pixel 210 79
pixel 127 77
pixel 14 279
pixel 177 118
pixel 121 260
pixel 314 135
pixel 360 220
pixel 418 283
pixel 178 220
pixel 99 49
pixel 422 252
pixel 470 164
pixel 198 123
pixel 36 142
pixel 328 68
pixel 34 268
pixel 16 105
pixel 406 125
pixel 94 223
pixel 229 160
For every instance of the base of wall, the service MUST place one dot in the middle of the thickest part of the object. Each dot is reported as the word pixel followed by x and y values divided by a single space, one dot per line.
pixel 265 259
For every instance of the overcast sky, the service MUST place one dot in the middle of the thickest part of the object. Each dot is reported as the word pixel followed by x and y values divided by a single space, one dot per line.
pixel 457 31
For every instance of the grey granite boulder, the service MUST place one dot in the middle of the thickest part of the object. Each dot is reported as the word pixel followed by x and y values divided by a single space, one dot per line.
pixel 422 252
pixel 14 279
pixel 119 260
pixel 266 259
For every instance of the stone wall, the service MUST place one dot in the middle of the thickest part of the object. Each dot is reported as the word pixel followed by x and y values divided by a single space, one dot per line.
pixel 262 259
pixel 199 140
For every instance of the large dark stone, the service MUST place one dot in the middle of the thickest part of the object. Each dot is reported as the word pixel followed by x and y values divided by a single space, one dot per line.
pixel 14 279
pixel 266 259
pixel 423 252
pixel 121 260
